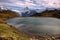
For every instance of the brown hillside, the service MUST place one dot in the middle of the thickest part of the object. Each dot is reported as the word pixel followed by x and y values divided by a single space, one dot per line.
pixel 6 14
pixel 48 13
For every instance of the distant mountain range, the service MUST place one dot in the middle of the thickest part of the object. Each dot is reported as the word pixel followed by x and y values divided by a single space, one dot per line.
pixel 27 12
pixel 48 13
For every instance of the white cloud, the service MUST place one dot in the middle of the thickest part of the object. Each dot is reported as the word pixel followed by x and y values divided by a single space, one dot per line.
pixel 1 4
pixel 52 3
pixel 16 10
pixel 30 3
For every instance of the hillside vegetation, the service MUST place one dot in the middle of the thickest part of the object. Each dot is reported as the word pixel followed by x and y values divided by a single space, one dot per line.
pixel 48 13
pixel 6 14
pixel 8 32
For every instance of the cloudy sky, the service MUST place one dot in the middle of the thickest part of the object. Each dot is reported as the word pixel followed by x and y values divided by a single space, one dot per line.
pixel 18 4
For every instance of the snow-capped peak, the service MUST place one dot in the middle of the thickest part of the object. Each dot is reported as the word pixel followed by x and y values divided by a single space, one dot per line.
pixel 3 8
pixel 27 12
pixel 26 9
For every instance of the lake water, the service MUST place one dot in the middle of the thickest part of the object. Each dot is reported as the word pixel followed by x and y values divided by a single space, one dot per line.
pixel 36 25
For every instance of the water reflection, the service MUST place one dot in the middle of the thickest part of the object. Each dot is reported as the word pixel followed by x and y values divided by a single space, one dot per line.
pixel 34 25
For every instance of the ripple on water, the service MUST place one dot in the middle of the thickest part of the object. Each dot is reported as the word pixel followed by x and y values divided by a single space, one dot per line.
pixel 36 25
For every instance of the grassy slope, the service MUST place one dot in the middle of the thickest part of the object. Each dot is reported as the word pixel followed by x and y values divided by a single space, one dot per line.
pixel 7 32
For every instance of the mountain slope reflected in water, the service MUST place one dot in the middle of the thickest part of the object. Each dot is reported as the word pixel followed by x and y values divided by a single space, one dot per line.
pixel 36 25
